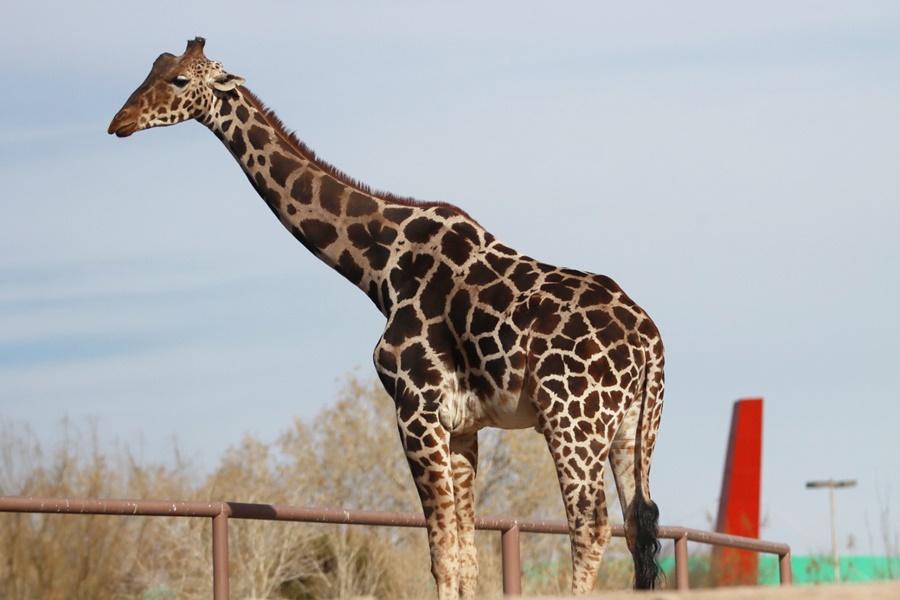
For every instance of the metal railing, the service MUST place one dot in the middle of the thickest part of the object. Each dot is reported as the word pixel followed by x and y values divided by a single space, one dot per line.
pixel 509 528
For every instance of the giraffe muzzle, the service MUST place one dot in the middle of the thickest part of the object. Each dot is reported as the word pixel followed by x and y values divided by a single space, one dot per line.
pixel 123 124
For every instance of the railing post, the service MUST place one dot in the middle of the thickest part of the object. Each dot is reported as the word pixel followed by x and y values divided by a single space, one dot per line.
pixel 220 555
pixel 681 563
pixel 512 565
pixel 785 570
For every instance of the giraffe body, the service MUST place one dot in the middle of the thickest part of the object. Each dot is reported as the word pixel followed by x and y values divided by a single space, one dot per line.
pixel 477 335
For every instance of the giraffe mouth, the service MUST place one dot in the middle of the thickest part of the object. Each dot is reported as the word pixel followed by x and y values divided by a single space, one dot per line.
pixel 123 130
pixel 122 125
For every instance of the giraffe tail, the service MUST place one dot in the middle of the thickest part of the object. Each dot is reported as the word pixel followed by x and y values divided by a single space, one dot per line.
pixel 647 546
pixel 645 513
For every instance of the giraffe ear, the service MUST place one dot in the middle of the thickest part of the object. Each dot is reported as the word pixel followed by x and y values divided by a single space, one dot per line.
pixel 227 82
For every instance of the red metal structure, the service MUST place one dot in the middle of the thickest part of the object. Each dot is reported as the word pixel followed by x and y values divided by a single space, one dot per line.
pixel 739 502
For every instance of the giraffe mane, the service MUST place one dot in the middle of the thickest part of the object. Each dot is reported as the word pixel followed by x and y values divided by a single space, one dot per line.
pixel 294 142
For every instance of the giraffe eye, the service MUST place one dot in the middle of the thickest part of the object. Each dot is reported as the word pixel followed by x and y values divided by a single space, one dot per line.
pixel 180 81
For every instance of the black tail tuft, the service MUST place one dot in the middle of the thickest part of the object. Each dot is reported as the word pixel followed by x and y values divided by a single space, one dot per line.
pixel 647 546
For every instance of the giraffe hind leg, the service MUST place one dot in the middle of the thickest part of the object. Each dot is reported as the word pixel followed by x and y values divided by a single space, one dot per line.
pixel 590 533
pixel 641 514
pixel 581 482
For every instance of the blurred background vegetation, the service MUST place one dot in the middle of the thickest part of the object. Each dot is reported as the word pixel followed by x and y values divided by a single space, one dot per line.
pixel 347 456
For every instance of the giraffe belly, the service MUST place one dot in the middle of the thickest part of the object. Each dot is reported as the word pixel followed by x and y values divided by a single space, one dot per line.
pixel 463 411
pixel 514 413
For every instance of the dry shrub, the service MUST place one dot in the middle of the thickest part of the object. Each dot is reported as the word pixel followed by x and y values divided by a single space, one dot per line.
pixel 348 456
pixel 60 556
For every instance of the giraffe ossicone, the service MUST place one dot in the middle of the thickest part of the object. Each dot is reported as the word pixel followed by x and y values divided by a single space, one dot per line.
pixel 477 335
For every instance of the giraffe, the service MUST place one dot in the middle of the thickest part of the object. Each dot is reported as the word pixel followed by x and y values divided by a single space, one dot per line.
pixel 476 334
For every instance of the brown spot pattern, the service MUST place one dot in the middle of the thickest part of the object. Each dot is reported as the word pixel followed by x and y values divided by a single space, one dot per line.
pixel 476 334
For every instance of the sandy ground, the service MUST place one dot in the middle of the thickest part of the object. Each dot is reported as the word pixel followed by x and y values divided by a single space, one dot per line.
pixel 874 591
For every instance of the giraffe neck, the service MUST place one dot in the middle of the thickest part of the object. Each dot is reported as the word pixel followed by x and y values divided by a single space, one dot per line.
pixel 341 222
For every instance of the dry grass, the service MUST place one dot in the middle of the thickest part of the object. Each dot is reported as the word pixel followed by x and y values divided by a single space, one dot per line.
pixel 347 456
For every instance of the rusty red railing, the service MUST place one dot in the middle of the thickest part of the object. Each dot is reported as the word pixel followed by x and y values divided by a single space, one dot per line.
pixel 509 528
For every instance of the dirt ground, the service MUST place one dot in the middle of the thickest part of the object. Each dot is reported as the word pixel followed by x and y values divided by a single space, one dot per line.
pixel 873 591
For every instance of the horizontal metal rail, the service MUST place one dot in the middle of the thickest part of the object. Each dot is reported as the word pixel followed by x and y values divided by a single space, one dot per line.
pixel 509 527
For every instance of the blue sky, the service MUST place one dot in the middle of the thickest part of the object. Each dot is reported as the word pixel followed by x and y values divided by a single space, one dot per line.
pixel 732 165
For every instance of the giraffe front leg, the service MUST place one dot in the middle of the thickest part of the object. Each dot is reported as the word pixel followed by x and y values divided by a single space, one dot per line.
pixel 443 468
pixel 464 462
pixel 427 447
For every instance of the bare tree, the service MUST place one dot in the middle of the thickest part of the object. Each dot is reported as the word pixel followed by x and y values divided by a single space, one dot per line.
pixel 58 556
pixel 348 456
pixel 263 555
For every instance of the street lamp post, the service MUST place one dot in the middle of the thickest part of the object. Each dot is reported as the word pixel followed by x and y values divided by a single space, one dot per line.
pixel 831 484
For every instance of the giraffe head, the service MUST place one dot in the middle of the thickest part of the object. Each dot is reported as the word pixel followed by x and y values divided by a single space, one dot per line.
pixel 177 89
